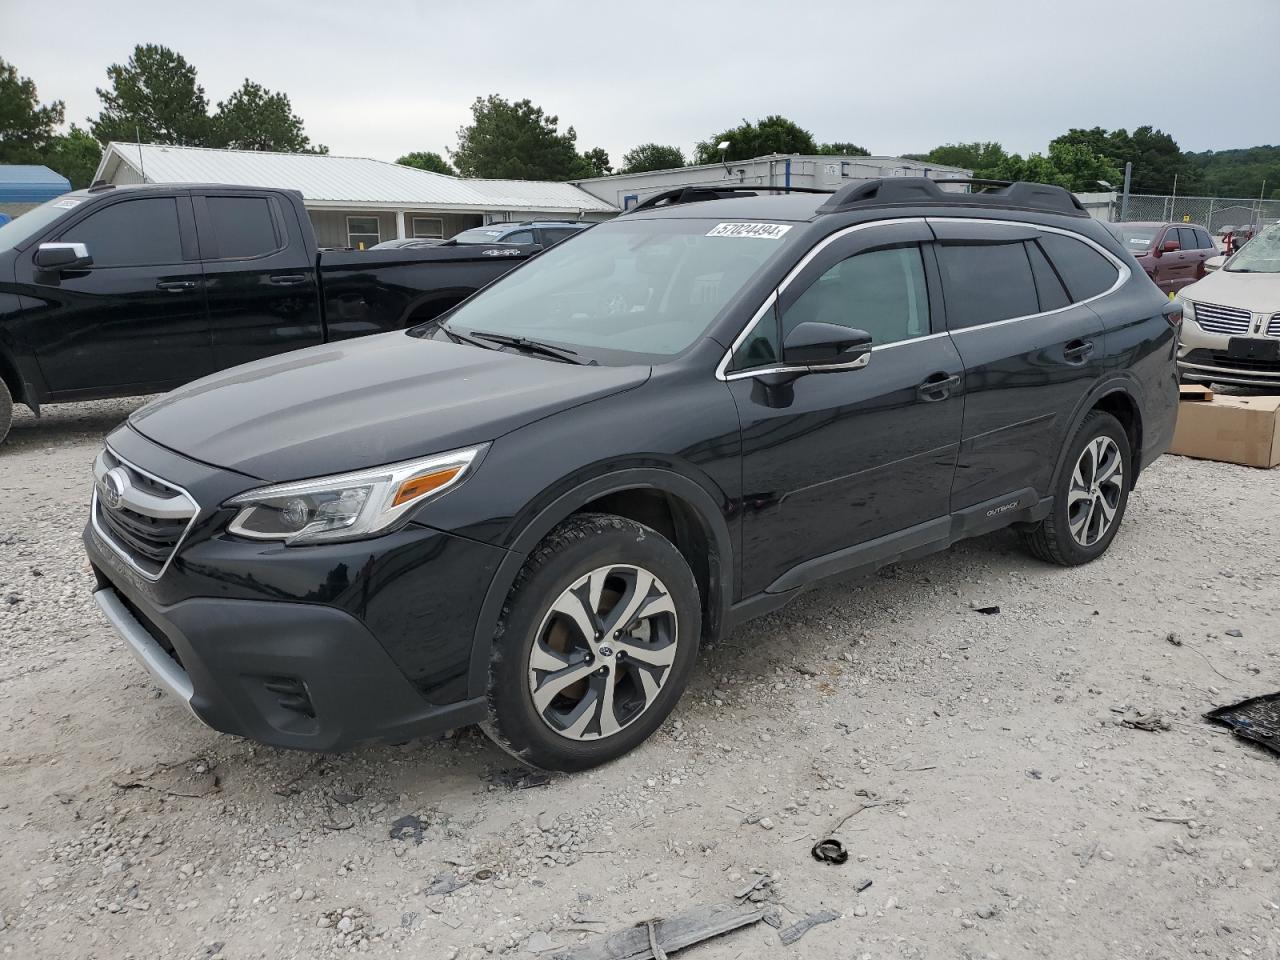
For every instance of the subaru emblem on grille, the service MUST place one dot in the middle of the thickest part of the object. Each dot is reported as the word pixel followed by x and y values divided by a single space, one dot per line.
pixel 111 488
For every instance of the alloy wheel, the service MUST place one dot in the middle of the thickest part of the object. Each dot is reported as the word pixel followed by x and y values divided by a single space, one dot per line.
pixel 1097 484
pixel 603 652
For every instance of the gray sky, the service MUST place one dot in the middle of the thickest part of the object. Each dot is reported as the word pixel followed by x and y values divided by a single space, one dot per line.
pixel 385 77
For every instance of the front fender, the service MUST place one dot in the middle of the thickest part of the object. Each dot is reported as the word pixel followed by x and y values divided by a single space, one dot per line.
pixel 546 512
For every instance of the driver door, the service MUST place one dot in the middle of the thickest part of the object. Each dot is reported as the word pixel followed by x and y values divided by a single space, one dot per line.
pixel 844 467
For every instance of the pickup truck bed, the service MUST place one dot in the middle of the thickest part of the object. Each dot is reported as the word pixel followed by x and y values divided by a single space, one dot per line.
pixel 121 291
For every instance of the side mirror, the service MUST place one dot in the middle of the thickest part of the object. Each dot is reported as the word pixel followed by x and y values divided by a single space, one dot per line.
pixel 1215 263
pixel 1170 246
pixel 826 347
pixel 62 256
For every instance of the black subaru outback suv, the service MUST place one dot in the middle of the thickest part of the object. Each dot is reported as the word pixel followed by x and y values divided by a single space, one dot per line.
pixel 526 514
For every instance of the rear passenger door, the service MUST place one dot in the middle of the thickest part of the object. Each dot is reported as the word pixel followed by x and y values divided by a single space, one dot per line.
pixel 260 276
pixel 1031 350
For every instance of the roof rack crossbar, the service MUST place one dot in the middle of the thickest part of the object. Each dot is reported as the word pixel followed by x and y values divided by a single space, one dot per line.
pixel 922 191
pixel 697 194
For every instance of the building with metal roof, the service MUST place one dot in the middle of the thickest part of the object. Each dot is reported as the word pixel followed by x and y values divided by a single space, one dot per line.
pixel 25 186
pixel 356 201
pixel 625 190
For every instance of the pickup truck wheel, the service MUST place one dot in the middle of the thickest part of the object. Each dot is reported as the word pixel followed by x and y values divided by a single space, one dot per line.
pixel 6 410
pixel 595 644
pixel 1091 495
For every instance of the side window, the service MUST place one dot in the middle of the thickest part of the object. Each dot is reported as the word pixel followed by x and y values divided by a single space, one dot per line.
pixel 1206 242
pixel 132 233
pixel 1187 238
pixel 881 291
pixel 987 282
pixel 243 227
pixel 428 228
pixel 1083 269
pixel 1048 286
pixel 762 346
pixel 363 232
pixel 553 235
pixel 520 236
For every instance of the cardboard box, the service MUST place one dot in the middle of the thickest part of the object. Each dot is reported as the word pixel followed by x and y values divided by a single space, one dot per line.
pixel 1244 430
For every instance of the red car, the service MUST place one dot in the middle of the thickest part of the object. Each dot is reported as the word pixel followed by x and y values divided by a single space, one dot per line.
pixel 1173 254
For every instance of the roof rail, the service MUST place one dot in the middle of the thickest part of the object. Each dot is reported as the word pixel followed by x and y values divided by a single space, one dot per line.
pixel 669 198
pixel 921 191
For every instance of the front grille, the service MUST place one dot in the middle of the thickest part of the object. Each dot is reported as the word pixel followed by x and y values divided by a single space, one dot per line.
pixel 142 516
pixel 1228 321
pixel 1273 326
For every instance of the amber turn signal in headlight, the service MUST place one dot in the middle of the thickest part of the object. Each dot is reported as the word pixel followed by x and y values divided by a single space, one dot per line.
pixel 350 506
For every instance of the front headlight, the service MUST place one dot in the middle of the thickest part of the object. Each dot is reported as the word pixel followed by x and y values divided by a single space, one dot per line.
pixel 350 506
pixel 1188 308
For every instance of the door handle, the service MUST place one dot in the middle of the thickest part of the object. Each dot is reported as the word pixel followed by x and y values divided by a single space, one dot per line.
pixel 176 286
pixel 937 387
pixel 1078 350
pixel 286 279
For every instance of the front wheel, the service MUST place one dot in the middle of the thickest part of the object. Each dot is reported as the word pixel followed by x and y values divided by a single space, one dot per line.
pixel 1091 495
pixel 595 645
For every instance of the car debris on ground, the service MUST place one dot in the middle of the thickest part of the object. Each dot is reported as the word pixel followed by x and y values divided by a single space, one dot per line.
pixel 1256 719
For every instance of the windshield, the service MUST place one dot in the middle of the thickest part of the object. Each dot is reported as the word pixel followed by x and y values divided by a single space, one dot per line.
pixel 20 229
pixel 479 235
pixel 647 287
pixel 1136 239
pixel 1259 255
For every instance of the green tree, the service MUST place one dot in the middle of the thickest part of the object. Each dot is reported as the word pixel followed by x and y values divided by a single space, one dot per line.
pixel 1244 172
pixel 843 149
pixel 255 118
pixel 1155 156
pixel 597 158
pixel 154 97
pixel 651 156
pixel 428 160
pixel 517 141
pixel 982 157
pixel 773 134
pixel 75 155
pixel 1070 165
pixel 26 127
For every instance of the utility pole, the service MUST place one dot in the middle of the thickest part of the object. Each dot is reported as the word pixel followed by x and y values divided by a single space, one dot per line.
pixel 1124 199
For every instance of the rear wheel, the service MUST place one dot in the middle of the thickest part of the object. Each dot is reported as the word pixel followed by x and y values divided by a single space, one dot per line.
pixel 6 410
pixel 595 645
pixel 1091 495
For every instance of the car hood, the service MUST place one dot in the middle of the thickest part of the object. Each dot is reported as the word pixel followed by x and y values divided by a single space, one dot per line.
pixel 363 403
pixel 1255 292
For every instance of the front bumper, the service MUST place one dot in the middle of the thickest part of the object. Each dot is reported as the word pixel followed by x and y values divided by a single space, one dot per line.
pixel 291 675
pixel 1203 357
pixel 318 647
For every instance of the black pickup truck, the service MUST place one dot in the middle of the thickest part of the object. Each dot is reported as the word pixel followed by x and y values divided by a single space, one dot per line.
pixel 121 291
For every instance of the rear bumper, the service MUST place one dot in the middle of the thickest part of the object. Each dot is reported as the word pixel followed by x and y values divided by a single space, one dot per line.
pixel 296 675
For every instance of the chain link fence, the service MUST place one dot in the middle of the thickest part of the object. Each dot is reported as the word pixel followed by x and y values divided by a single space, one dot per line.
pixel 1216 213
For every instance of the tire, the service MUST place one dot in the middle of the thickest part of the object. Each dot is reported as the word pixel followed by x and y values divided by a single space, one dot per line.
pixel 6 410
pixel 550 683
pixel 1086 514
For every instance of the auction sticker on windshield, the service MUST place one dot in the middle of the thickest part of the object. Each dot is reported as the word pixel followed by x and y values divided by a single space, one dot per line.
pixel 756 231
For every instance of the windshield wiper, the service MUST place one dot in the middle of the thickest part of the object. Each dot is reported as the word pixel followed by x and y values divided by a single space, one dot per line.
pixel 457 337
pixel 564 354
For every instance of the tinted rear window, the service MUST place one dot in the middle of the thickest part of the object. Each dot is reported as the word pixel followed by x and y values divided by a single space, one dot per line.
pixel 1083 269
pixel 243 226
pixel 1052 295
pixel 132 233
pixel 986 283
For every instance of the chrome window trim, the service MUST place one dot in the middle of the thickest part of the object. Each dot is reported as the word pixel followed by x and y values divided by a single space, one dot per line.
pixel 1123 273
pixel 120 551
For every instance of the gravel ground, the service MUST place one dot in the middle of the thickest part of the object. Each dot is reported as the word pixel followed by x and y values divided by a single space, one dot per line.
pixel 1004 810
